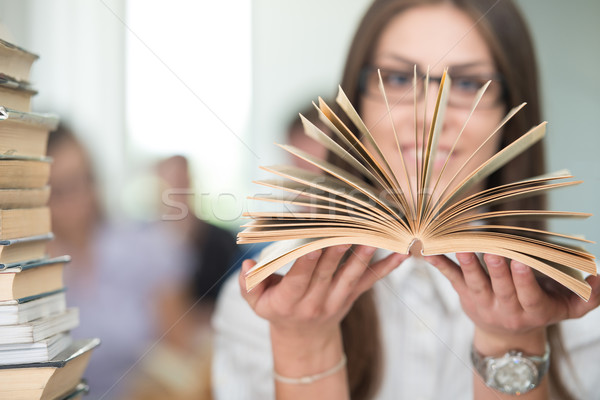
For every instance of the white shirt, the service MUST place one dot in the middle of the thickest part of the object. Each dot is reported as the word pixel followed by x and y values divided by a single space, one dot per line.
pixel 426 339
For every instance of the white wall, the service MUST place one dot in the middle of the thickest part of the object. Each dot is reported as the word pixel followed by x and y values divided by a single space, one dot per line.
pixel 299 48
pixel 189 69
pixel 567 36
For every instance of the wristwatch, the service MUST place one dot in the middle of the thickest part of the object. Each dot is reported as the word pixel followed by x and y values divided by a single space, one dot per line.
pixel 513 373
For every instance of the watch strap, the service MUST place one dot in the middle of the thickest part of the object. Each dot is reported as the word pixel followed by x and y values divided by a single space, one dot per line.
pixel 541 364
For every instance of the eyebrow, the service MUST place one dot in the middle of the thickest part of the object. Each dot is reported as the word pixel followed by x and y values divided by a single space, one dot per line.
pixel 451 68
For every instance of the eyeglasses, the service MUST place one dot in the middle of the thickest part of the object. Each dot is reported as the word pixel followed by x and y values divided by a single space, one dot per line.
pixel 398 87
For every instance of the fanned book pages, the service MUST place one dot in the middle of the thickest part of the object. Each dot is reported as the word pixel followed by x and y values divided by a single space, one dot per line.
pixel 404 211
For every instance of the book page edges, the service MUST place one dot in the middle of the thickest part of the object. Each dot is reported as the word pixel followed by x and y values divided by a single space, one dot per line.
pixel 270 262
pixel 466 243
pixel 497 161
pixel 276 260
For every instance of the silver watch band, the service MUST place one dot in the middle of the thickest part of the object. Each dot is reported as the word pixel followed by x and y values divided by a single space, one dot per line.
pixel 513 373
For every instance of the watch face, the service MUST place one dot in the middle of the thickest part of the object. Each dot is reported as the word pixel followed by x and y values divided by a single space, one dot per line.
pixel 512 374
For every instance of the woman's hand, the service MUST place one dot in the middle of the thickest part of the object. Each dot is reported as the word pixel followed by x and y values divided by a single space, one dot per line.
pixel 510 308
pixel 305 308
pixel 315 294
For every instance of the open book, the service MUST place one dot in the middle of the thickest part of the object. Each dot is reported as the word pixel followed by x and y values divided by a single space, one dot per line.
pixel 378 206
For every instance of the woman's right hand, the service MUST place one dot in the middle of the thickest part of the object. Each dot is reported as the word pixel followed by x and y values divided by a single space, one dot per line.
pixel 315 294
pixel 305 308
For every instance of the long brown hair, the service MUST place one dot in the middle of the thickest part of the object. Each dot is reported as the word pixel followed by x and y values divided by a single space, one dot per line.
pixel 505 31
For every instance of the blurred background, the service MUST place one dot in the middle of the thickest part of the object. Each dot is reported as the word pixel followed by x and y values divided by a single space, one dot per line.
pixel 218 82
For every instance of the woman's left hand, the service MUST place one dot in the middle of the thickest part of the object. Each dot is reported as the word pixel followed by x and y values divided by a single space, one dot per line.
pixel 510 304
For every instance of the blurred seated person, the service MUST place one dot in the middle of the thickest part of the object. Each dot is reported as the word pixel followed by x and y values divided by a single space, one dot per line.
pixel 210 250
pixel 208 253
pixel 117 271
pixel 178 368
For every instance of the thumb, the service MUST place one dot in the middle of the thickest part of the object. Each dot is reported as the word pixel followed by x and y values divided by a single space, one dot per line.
pixel 253 295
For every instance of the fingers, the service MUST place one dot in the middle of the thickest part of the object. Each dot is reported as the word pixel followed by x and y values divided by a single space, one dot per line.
pixel 450 270
pixel 355 276
pixel 323 274
pixel 531 296
pixel 297 281
pixel 470 280
pixel 379 270
pixel 510 298
pixel 323 286
pixel 253 295
pixel 293 285
pixel 353 269
pixel 315 287
pixel 476 280
pixel 502 283
pixel 246 265
pixel 579 307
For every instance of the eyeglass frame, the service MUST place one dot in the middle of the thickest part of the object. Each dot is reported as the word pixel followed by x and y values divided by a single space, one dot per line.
pixel 367 69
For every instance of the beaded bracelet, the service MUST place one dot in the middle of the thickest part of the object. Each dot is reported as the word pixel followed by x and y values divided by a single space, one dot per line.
pixel 305 380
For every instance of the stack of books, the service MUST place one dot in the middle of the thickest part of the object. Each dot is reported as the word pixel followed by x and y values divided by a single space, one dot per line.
pixel 38 357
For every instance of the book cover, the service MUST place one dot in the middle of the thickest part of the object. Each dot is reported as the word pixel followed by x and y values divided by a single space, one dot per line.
pixel 25 134
pixel 16 96
pixel 41 351
pixel 39 329
pixel 21 280
pixel 15 61
pixel 55 379
pixel 18 250
pixel 19 311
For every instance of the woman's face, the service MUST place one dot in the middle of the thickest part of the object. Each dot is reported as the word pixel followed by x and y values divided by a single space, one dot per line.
pixel 436 36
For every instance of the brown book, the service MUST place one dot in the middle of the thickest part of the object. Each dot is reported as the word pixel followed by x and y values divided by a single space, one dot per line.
pixel 25 134
pixel 23 173
pixel 15 62
pixel 55 379
pixel 387 211
pixel 15 96
pixel 23 222
pixel 78 392
pixel 24 198
pixel 23 249
pixel 32 279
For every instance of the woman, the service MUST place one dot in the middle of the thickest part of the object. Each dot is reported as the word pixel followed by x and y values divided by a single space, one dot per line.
pixel 410 334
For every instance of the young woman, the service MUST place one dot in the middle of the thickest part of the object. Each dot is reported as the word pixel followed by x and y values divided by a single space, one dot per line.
pixel 367 329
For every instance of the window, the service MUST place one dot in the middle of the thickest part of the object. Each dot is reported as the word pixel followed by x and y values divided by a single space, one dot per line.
pixel 188 79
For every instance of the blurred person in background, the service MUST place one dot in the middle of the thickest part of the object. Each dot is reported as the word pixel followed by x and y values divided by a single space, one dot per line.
pixel 118 273
pixel 211 249
pixel 179 367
